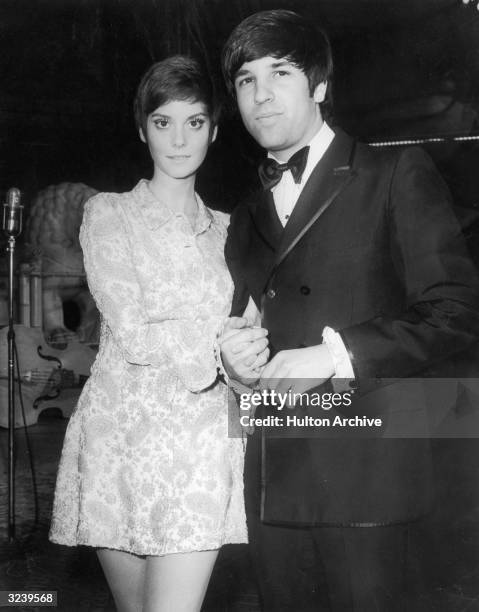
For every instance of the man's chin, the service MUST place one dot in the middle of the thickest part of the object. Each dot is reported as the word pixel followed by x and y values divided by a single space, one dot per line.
pixel 270 144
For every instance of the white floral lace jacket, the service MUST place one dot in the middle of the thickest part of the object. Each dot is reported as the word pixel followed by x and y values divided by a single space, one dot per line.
pixel 161 305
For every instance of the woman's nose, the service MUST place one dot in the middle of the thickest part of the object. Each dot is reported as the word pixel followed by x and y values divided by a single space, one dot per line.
pixel 178 137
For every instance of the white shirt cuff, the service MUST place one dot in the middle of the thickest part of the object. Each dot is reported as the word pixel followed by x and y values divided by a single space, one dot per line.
pixel 344 372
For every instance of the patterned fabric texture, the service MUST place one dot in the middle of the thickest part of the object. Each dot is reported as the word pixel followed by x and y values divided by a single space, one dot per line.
pixel 147 465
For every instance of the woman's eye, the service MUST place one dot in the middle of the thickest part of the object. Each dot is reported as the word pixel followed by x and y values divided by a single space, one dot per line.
pixel 161 123
pixel 197 123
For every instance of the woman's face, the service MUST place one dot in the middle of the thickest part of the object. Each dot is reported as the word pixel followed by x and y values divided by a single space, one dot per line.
pixel 178 134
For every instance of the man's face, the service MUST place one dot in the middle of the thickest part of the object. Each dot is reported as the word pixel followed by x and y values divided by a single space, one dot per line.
pixel 276 106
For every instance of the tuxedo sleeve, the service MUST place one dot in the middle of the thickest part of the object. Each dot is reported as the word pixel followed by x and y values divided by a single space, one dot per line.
pixel 232 249
pixel 440 282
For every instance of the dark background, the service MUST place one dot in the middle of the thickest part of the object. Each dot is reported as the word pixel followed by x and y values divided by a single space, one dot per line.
pixel 69 69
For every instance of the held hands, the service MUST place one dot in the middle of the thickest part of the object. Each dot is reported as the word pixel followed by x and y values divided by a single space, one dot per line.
pixel 298 370
pixel 244 350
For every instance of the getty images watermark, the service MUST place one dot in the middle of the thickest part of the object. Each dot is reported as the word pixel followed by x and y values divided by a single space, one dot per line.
pixel 248 402
pixel 392 408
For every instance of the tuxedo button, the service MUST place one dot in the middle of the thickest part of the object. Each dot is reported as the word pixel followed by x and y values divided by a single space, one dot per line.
pixel 304 290
pixel 271 293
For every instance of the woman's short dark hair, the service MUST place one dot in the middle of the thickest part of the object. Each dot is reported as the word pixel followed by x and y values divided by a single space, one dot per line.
pixel 278 33
pixel 178 77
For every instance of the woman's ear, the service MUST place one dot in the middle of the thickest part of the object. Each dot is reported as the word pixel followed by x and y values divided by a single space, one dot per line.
pixel 214 134
pixel 142 135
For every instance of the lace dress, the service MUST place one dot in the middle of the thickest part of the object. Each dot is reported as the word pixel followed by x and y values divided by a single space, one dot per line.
pixel 147 465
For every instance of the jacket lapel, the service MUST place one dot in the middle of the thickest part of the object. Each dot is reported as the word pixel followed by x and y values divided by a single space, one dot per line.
pixel 266 220
pixel 328 179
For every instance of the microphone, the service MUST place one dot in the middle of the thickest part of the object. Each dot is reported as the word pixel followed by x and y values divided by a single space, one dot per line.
pixel 13 213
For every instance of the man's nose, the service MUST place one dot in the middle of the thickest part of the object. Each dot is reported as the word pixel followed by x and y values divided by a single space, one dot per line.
pixel 263 92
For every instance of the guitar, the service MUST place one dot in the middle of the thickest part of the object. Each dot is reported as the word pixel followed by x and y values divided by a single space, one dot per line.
pixel 49 377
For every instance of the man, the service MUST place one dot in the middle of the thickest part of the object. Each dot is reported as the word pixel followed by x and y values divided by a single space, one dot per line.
pixel 355 261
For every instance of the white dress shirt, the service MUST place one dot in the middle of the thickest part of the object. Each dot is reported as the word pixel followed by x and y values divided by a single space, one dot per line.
pixel 285 195
pixel 287 192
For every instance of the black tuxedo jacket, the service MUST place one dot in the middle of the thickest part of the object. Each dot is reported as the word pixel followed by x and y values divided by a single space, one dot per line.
pixel 373 250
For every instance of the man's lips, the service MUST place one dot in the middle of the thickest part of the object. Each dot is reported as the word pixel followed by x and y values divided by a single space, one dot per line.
pixel 267 115
pixel 267 118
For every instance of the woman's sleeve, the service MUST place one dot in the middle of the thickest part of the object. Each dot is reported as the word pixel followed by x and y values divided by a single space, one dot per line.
pixel 187 345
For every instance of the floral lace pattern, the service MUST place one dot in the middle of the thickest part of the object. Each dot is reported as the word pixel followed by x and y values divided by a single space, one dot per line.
pixel 147 465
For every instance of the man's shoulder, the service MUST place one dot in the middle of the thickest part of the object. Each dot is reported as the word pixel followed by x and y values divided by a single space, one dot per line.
pixel 380 156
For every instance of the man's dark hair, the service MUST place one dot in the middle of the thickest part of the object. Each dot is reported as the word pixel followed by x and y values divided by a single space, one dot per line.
pixel 178 77
pixel 280 34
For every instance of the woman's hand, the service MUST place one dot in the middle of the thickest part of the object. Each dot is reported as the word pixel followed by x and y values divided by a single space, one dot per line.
pixel 244 350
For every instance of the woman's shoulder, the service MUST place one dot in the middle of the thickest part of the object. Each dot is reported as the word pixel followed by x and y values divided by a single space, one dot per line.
pixel 106 209
pixel 108 199
pixel 220 218
pixel 108 202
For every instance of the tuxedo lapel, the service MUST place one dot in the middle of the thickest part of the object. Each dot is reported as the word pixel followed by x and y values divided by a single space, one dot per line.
pixel 266 220
pixel 326 182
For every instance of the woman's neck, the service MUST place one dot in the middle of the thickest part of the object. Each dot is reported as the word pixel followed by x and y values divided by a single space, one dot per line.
pixel 177 194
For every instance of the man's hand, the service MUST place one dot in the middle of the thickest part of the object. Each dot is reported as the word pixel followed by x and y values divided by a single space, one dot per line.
pixel 244 350
pixel 298 370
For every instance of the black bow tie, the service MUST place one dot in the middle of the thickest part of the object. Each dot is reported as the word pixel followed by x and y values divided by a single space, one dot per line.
pixel 270 172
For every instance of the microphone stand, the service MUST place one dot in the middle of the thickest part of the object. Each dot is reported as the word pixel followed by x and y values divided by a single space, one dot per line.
pixel 12 226
pixel 11 394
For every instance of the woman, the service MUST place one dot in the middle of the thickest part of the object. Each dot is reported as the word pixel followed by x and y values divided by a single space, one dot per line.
pixel 148 474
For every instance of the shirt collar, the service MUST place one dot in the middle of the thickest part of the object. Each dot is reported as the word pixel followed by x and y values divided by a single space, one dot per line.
pixel 156 213
pixel 317 148
pixel 204 218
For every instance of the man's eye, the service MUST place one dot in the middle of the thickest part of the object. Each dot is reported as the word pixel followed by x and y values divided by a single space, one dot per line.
pixel 161 123
pixel 281 73
pixel 197 123
pixel 244 81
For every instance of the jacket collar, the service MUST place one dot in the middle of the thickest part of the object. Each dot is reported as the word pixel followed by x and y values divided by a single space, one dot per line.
pixel 155 212
pixel 323 186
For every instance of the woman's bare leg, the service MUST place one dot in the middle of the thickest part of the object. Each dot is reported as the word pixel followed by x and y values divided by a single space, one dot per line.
pixel 125 574
pixel 178 582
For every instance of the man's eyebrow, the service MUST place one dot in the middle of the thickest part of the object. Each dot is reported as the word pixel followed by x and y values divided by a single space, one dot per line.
pixel 281 63
pixel 278 64
pixel 241 72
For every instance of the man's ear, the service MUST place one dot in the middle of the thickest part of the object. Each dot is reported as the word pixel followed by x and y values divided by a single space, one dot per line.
pixel 320 92
pixel 142 135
